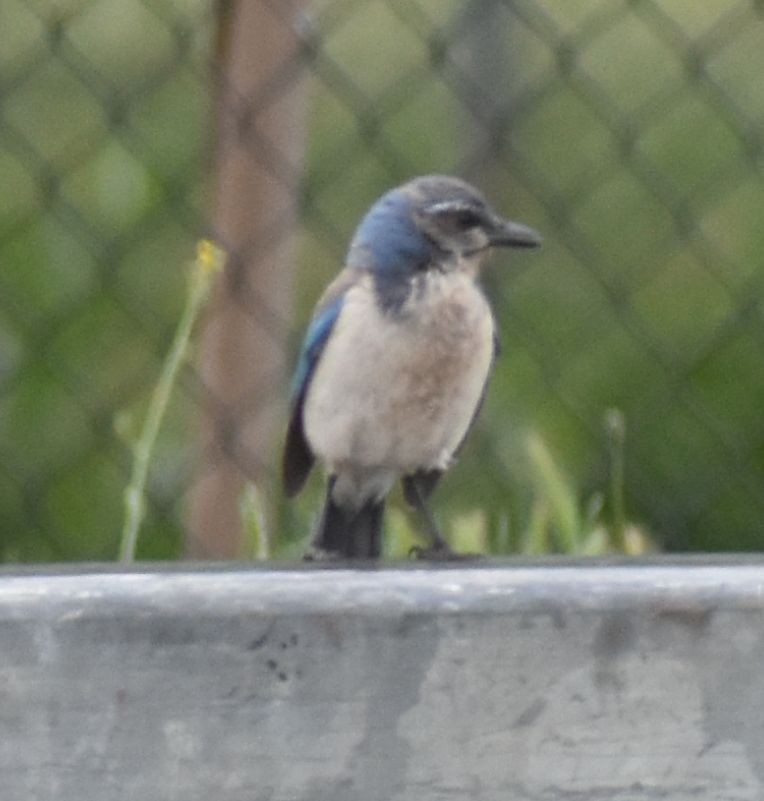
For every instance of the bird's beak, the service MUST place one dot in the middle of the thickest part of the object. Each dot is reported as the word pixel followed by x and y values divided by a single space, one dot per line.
pixel 508 234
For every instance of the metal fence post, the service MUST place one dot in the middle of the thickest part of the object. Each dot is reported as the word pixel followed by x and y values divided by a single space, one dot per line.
pixel 260 127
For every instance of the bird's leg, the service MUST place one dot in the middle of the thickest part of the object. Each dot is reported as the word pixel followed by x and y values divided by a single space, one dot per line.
pixel 438 549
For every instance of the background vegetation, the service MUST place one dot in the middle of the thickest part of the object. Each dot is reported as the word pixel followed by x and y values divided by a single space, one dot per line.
pixel 630 133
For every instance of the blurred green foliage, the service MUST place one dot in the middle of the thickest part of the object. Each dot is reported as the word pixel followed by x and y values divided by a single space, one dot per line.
pixel 630 134
pixel 103 139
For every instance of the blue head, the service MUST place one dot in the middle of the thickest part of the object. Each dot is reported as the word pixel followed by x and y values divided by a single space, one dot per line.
pixel 434 222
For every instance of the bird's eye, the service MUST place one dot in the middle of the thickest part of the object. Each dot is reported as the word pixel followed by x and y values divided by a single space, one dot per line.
pixel 454 216
pixel 466 218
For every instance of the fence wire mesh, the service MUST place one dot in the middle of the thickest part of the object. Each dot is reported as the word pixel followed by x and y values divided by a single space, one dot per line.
pixel 630 132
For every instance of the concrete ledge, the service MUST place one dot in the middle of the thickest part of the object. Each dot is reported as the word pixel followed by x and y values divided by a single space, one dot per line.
pixel 503 681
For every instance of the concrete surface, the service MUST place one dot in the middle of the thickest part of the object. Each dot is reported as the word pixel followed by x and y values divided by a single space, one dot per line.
pixel 503 681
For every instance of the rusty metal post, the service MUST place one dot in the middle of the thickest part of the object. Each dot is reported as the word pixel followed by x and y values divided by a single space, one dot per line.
pixel 260 143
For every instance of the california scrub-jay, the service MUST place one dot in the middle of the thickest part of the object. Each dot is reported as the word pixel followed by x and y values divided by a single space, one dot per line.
pixel 396 360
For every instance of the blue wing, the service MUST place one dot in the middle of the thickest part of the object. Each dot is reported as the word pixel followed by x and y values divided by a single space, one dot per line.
pixel 298 457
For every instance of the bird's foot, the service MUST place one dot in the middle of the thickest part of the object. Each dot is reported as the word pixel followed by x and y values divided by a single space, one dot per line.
pixel 317 554
pixel 441 552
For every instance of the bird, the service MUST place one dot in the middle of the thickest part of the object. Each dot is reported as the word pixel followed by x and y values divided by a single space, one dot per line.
pixel 396 361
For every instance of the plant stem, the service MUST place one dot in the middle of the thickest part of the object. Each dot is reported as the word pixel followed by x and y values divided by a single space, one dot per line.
pixel 209 261
pixel 615 426
pixel 557 494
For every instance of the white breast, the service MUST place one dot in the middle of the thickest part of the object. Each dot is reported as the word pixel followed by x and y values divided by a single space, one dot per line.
pixel 396 393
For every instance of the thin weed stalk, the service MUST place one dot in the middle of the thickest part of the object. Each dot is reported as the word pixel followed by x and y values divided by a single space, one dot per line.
pixel 209 261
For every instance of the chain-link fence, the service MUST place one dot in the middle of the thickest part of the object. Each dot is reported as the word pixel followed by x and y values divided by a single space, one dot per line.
pixel 630 133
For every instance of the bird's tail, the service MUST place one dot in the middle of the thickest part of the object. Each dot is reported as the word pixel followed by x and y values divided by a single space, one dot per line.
pixel 349 534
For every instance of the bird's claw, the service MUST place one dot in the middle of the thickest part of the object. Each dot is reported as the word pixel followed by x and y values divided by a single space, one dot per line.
pixel 441 553
pixel 317 554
